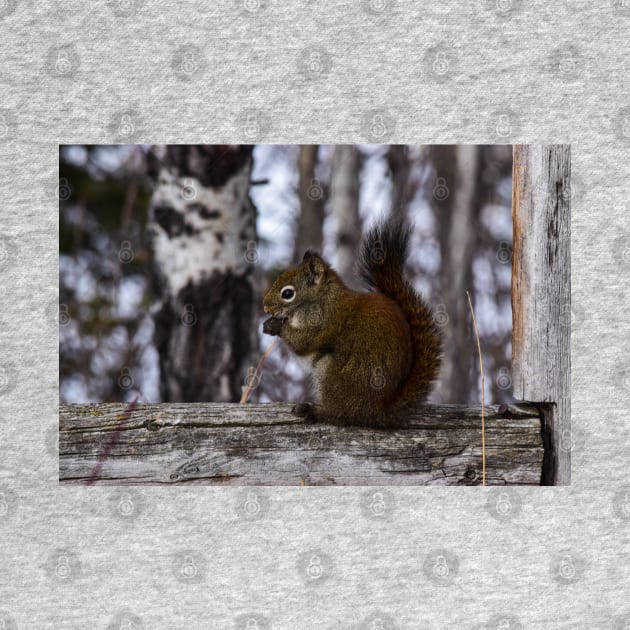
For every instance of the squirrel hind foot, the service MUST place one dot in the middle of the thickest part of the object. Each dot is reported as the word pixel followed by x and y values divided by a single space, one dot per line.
pixel 305 410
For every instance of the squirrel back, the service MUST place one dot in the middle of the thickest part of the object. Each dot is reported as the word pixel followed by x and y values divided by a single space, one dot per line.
pixel 373 355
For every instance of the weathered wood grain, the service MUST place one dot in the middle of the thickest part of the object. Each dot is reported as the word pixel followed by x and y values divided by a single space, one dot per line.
pixel 234 445
pixel 541 294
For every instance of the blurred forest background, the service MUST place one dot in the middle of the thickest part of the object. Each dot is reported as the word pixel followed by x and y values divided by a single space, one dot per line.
pixel 166 251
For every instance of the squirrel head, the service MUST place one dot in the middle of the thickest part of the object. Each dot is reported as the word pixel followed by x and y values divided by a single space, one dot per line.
pixel 297 288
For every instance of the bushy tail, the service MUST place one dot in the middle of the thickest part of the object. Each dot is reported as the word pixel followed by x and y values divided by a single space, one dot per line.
pixel 383 256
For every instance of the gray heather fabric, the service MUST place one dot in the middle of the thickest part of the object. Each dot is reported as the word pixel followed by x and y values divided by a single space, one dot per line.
pixel 262 70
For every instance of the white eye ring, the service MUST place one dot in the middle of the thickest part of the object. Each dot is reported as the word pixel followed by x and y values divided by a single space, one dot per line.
pixel 291 288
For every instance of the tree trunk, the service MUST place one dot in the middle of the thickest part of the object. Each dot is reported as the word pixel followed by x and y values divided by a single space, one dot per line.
pixel 344 203
pixel 203 230
pixel 454 200
pixel 403 189
pixel 311 195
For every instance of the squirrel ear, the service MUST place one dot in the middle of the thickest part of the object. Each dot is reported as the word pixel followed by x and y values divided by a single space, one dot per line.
pixel 315 267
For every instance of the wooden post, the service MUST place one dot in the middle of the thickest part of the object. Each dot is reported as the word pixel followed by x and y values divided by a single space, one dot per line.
pixel 541 296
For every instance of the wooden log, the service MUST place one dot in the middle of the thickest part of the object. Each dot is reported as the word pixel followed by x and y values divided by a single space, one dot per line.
pixel 238 445
pixel 541 295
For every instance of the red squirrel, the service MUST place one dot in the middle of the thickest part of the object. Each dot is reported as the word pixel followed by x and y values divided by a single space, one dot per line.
pixel 373 355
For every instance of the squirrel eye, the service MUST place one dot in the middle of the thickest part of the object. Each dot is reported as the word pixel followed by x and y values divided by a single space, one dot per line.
pixel 288 293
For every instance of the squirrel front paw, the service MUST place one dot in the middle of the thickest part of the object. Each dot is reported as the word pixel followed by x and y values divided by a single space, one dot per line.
pixel 273 326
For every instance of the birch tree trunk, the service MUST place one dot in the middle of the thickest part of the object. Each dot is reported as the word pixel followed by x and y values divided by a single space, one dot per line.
pixel 203 231
pixel 311 195
pixel 344 203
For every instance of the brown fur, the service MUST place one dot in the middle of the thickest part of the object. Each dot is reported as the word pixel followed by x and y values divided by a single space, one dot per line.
pixel 373 355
